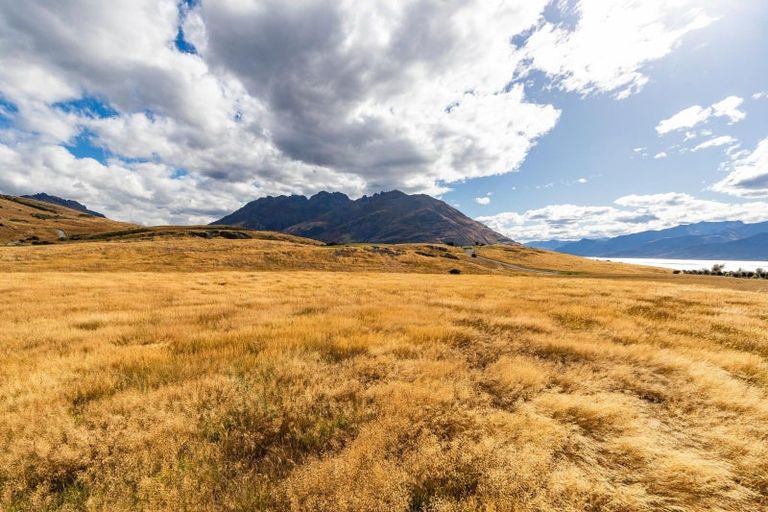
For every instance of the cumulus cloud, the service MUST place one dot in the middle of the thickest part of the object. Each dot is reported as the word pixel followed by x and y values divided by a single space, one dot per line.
pixel 611 43
pixel 117 187
pixel 483 200
pixel 277 97
pixel 729 108
pixel 660 155
pixel 748 174
pixel 696 115
pixel 628 214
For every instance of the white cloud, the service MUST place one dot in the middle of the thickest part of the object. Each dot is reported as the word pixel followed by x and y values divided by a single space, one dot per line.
pixel 484 200
pixel 729 107
pixel 628 214
pixel 659 156
pixel 687 118
pixel 131 192
pixel 695 115
pixel 582 180
pixel 295 97
pixel 748 176
pixel 760 95
pixel 612 42
pixel 716 142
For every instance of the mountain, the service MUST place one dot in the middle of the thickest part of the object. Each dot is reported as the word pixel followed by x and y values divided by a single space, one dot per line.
pixel 704 240
pixel 30 221
pixel 66 203
pixel 547 245
pixel 386 217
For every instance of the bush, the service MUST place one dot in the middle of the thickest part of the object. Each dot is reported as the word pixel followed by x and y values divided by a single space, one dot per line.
pixel 454 271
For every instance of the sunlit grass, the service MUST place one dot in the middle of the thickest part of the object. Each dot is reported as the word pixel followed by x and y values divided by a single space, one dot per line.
pixel 378 391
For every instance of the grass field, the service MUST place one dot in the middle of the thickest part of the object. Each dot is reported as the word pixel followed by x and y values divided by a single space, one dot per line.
pixel 274 376
pixel 27 219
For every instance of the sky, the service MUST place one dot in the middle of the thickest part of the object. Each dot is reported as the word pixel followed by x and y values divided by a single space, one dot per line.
pixel 544 119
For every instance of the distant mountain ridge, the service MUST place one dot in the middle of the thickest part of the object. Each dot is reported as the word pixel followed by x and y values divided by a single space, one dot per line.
pixel 732 240
pixel 66 203
pixel 386 217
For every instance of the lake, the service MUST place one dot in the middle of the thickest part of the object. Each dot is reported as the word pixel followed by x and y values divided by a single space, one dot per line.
pixel 689 264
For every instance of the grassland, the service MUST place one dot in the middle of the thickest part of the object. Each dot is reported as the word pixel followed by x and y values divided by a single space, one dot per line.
pixel 282 375
pixel 30 220
pixel 168 250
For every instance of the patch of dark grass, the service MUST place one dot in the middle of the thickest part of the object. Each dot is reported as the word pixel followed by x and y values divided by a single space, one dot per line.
pixel 575 322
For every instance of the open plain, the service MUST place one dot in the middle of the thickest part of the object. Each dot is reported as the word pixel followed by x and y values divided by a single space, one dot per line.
pixel 189 374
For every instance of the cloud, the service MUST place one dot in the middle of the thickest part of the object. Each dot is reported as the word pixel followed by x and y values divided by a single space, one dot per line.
pixel 484 200
pixel 276 97
pixel 729 108
pixel 748 176
pixel 716 142
pixel 611 43
pixel 687 118
pixel 582 180
pixel 628 214
pixel 760 95
pixel 117 187
pixel 659 156
pixel 695 115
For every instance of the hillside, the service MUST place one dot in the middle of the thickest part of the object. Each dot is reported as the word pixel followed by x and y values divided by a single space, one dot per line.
pixel 387 217
pixel 226 249
pixel 67 203
pixel 704 240
pixel 25 220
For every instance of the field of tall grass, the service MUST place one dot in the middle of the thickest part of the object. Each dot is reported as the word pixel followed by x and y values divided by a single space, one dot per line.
pixel 339 391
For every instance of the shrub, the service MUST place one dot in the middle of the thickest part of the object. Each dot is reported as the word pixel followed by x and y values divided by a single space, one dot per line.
pixel 454 271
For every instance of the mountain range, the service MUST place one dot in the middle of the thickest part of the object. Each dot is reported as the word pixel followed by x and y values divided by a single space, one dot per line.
pixel 733 240
pixel 386 217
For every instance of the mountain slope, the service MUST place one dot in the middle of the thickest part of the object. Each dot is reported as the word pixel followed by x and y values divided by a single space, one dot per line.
pixel 67 203
pixel 24 220
pixel 387 217
pixel 728 240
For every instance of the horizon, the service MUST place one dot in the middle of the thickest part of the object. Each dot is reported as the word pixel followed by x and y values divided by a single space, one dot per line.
pixel 544 120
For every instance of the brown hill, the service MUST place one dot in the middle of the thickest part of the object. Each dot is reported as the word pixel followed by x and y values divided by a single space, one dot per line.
pixel 387 217
pixel 28 221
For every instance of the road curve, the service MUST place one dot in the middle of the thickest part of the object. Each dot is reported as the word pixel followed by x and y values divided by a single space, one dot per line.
pixel 510 266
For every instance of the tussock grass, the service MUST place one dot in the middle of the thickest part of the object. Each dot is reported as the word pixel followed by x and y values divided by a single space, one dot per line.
pixel 173 249
pixel 22 219
pixel 244 390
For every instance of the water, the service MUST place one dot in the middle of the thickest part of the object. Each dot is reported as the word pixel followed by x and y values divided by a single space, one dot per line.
pixel 690 264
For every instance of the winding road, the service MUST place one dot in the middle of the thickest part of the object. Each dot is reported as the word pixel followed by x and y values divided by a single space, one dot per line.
pixel 510 266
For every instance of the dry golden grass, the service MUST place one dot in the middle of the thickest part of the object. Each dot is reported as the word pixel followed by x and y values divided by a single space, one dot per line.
pixel 340 391
pixel 23 218
pixel 547 260
pixel 274 251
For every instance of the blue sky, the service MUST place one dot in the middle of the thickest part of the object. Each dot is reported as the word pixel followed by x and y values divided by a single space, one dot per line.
pixel 541 118
pixel 596 137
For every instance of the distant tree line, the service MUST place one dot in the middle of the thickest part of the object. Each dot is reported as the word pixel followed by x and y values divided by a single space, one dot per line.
pixel 719 270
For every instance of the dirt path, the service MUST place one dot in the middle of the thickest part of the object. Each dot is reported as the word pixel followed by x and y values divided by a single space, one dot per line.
pixel 510 266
